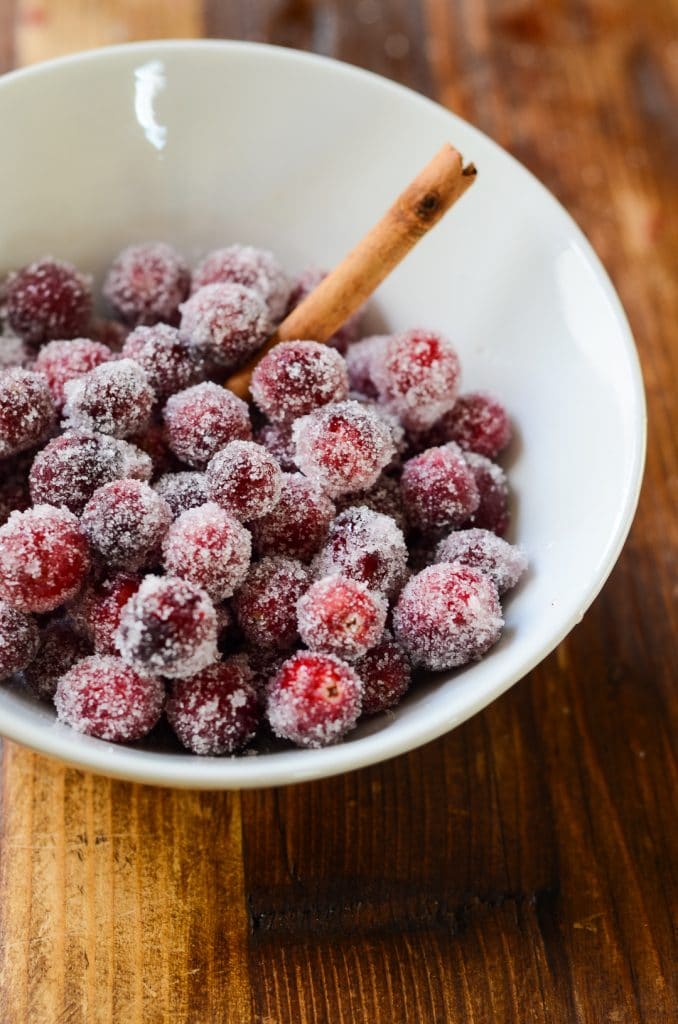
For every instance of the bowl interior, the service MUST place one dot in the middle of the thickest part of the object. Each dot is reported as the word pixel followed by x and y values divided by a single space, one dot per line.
pixel 203 144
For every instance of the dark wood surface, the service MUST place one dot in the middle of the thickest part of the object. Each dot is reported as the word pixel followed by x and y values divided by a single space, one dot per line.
pixel 521 869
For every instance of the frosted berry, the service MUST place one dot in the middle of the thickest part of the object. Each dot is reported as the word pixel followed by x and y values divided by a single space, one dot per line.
pixel 366 546
pixel 104 697
pixel 61 361
pixel 438 489
pixel 266 604
pixel 210 548
pixel 255 268
pixel 74 465
pixel 153 442
pixel 48 299
pixel 114 398
pixel 314 700
pixel 215 711
pixel 418 376
pixel 478 422
pixel 362 360
pixel 264 666
pixel 43 558
pixel 298 524
pixel 225 323
pixel 98 607
pixel 109 332
pixel 147 283
pixel 446 616
pixel 19 640
pixel 244 479
pixel 484 551
pixel 307 282
pixel 341 616
pixel 61 647
pixel 296 377
pixel 182 491
pixel 342 447
pixel 203 419
pixel 492 512
pixel 386 675
pixel 169 627
pixel 277 439
pixel 168 362
pixel 26 410
pixel 125 522
pixel 384 497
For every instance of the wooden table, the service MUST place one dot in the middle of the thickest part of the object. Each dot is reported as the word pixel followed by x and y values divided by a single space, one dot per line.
pixel 521 869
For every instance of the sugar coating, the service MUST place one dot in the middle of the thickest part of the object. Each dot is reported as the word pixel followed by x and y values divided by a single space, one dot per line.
pixel 170 365
pixel 147 282
pixel 61 361
pixel 386 675
pixel 26 410
pixel 255 268
pixel 19 640
pixel 308 281
pixel 314 700
pixel 114 398
pixel 341 616
pixel 492 512
pixel 61 647
pixel 225 323
pixel 384 496
pixel 366 546
pixel 169 627
pixel 342 447
pixel 44 558
pixel 104 697
pixel 277 439
pixel 438 489
pixel 14 352
pixel 244 479
pixel 48 299
pixel 485 551
pixel 96 610
pixel 216 711
pixel 72 466
pixel 447 615
pixel 296 377
pixel 182 490
pixel 125 522
pixel 417 375
pixel 203 419
pixel 210 548
pixel 298 524
pixel 362 358
pixel 478 422
pixel 266 604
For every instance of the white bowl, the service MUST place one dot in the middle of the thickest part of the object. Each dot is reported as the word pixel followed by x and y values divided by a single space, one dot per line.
pixel 205 143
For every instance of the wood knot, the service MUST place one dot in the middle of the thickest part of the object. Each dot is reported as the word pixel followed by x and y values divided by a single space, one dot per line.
pixel 428 206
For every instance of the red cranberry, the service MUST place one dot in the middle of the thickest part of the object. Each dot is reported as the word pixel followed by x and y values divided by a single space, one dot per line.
pixel 217 710
pixel 446 616
pixel 98 608
pixel 168 362
pixel 493 511
pixel 125 522
pixel 26 410
pixel 386 675
pixel 341 616
pixel 361 362
pixel 147 282
pixel 48 299
pixel 314 700
pixel 210 548
pixel 365 546
pixel 114 398
pixel 104 697
pixel 266 604
pixel 277 439
pixel 418 376
pixel 264 665
pixel 438 489
pixel 298 524
pixel 478 422
pixel 254 268
pixel 225 323
pixel 296 377
pixel 61 647
pixel 153 441
pixel 244 479
pixel 203 419
pixel 307 282
pixel 384 497
pixel 43 558
pixel 169 627
pixel 182 491
pixel 484 551
pixel 62 361
pixel 19 640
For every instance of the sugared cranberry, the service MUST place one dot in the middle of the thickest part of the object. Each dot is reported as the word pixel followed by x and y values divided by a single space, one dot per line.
pixel 104 697
pixel 492 512
pixel 298 524
pixel 98 607
pixel 114 398
pixel 225 323
pixel 342 447
pixel 341 616
pixel 487 553
pixel 203 419
pixel 446 616
pixel 210 548
pixel 217 710
pixel 153 441
pixel 48 299
pixel 109 332
pixel 264 665
pixel 296 377
pixel 266 604
pixel 277 439
pixel 19 640
pixel 61 361
pixel 182 491
pixel 307 282
pixel 418 376
pixel 386 675
pixel 361 362
pixel 147 283
pixel 314 700
pixel 255 268
pixel 61 647
pixel 244 479
pixel 169 364
pixel 365 546
pixel 125 522
pixel 478 422
pixel 384 497
pixel 168 627
pixel 43 558
pixel 72 466
pixel 26 410
pixel 438 489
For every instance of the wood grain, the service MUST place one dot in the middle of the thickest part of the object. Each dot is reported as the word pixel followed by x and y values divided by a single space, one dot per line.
pixel 521 869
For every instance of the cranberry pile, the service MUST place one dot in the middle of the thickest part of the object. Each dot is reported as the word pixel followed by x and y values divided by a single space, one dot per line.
pixel 167 550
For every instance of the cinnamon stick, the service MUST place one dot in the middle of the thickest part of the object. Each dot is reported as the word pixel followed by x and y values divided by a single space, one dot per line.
pixel 430 195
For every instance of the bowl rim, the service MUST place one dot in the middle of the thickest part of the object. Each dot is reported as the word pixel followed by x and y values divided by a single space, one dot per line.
pixel 243 772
